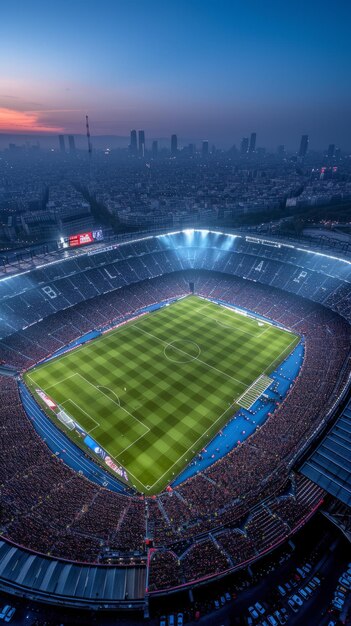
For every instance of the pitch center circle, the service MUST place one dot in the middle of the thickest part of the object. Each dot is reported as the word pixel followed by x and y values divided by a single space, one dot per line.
pixel 180 351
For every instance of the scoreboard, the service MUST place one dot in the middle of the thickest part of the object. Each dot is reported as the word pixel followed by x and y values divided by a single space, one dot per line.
pixel 81 239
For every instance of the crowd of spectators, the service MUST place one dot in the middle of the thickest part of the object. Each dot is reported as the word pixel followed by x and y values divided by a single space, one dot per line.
pixel 47 507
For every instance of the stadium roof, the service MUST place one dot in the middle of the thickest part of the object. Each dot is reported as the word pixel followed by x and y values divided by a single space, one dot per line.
pixel 330 464
pixel 70 583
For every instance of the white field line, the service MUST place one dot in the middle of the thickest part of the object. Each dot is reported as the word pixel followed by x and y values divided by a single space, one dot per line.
pixel 115 458
pixel 192 445
pixel 116 403
pixel 83 411
pixel 166 343
pixel 78 348
pixel 233 317
pixel 146 487
pixel 60 381
pixel 279 356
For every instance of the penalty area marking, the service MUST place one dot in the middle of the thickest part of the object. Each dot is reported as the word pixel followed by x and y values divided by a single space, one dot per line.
pixel 101 387
pixel 83 411
pixel 119 406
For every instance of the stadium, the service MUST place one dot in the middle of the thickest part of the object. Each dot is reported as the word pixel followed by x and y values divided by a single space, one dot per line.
pixel 174 407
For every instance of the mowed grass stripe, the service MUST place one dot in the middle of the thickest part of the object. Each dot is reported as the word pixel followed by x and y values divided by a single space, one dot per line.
pixel 151 404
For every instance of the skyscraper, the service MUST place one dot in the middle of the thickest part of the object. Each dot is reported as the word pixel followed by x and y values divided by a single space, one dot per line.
pixel 174 145
pixel 62 143
pixel 133 142
pixel 303 146
pixel 244 147
pixel 331 150
pixel 205 149
pixel 141 134
pixel 154 149
pixel 252 146
pixel 71 143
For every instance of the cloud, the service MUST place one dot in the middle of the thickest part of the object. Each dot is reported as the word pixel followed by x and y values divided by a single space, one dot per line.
pixel 23 121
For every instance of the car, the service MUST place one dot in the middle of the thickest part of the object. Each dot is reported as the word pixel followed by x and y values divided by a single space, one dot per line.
pixel 272 621
pixel 227 596
pixel 288 586
pixel 307 567
pixel 316 580
pixel 345 582
pixel 10 614
pixel 312 585
pixel 309 589
pixel 338 605
pixel 281 590
pixel 171 621
pixel 5 611
pixel 260 608
pixel 216 605
pixel 253 612
pixel 180 619
pixel 249 621
pixel 264 623
pixel 297 599
pixel 301 572
pixel 163 621
pixel 303 593
pixel 292 605
pixel 222 600
pixel 282 619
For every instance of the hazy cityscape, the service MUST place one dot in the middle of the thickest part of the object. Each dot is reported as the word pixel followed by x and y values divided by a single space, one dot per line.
pixel 48 193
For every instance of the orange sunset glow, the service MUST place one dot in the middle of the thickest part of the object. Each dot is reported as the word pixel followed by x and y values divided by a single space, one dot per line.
pixel 12 121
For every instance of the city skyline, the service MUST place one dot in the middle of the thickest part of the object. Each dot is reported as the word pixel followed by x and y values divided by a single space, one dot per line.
pixel 203 70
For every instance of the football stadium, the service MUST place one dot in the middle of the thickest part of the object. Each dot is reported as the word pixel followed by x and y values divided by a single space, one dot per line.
pixel 174 408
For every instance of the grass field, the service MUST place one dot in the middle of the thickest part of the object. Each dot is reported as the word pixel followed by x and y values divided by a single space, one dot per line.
pixel 153 392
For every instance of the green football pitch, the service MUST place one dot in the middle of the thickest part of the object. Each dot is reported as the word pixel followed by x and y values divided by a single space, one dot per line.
pixel 152 392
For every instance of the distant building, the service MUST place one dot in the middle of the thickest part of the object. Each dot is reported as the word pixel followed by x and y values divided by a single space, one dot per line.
pixel 154 149
pixel 71 143
pixel 204 149
pixel 252 146
pixel 62 143
pixel 303 146
pixel 281 150
pixel 331 150
pixel 133 142
pixel 174 145
pixel 141 135
pixel 244 147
